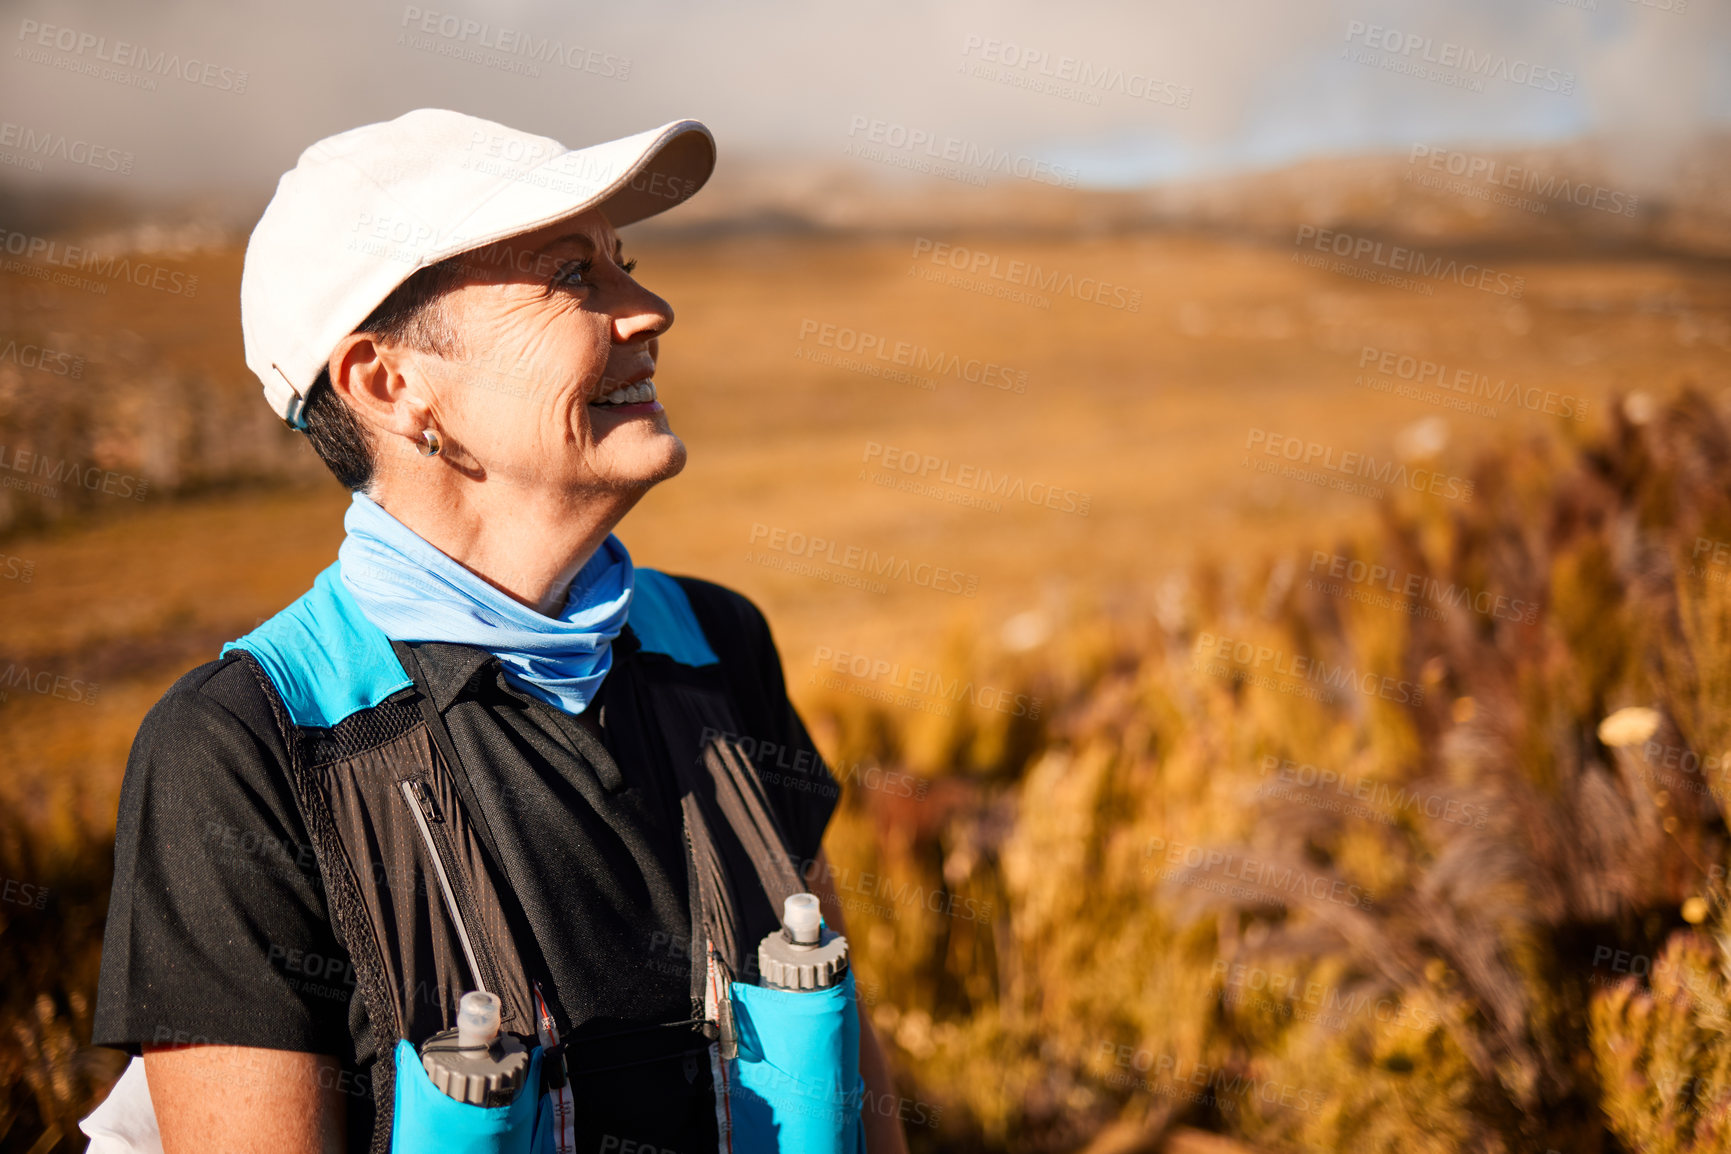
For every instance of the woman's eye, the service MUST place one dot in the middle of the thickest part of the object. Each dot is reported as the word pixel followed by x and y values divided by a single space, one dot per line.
pixel 573 272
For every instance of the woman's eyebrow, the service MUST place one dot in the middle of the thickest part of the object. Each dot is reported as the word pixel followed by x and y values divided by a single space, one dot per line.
pixel 587 242
pixel 569 238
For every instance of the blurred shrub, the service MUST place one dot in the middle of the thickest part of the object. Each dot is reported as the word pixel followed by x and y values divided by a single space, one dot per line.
pixel 1662 1052
pixel 53 899
pixel 1416 918
pixel 1474 863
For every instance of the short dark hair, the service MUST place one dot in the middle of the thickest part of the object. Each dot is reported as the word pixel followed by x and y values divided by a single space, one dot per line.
pixel 411 317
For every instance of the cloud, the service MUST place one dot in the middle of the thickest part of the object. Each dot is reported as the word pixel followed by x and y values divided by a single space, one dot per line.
pixel 1265 79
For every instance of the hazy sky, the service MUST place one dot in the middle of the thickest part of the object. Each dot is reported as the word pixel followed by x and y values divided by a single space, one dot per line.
pixel 1264 81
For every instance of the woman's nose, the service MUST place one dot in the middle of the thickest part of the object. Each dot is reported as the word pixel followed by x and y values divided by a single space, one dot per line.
pixel 641 316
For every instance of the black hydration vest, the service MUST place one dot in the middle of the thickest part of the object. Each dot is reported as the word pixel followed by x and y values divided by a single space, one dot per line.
pixel 411 870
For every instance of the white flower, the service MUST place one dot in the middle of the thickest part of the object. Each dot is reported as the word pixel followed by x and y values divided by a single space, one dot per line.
pixel 1630 725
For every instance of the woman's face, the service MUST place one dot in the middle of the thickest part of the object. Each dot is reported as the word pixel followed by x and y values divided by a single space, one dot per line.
pixel 550 325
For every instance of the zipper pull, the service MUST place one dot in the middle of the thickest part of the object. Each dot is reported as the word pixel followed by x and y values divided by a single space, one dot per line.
pixel 553 1072
pixel 424 799
pixel 718 1002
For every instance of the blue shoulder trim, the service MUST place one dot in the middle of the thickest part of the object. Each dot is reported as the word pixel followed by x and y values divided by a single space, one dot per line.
pixel 661 617
pixel 326 660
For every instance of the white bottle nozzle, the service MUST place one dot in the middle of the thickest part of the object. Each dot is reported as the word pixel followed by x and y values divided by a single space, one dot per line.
pixel 802 955
pixel 801 918
pixel 477 1019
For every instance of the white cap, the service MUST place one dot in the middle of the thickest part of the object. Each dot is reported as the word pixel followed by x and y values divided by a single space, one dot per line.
pixel 801 918
pixel 477 1019
pixel 363 210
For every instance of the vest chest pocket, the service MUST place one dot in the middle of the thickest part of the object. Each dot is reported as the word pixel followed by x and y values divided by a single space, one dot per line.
pixel 428 899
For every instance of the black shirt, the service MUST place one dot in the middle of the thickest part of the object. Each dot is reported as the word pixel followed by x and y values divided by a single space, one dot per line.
pixel 218 930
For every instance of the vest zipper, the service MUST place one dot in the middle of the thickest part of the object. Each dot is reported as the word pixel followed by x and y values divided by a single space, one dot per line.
pixel 425 810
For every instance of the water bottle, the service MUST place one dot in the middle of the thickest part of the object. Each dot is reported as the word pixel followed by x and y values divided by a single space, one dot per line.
pixel 474 1062
pixel 794 1086
pixel 804 954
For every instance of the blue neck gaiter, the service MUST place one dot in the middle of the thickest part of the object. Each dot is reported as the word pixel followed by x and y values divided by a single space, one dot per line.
pixel 413 592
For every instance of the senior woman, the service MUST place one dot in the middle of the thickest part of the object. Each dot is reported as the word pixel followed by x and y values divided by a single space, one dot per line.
pixel 483 751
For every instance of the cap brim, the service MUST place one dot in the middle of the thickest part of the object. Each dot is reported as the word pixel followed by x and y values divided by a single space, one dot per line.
pixel 629 180
pixel 682 161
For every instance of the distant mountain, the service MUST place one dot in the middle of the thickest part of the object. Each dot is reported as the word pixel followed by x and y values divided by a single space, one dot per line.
pixel 1571 198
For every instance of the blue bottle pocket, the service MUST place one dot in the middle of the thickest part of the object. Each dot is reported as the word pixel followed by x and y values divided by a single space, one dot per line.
pixel 427 1121
pixel 795 1085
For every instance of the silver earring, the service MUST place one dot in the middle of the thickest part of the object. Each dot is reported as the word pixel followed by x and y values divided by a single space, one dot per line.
pixel 430 445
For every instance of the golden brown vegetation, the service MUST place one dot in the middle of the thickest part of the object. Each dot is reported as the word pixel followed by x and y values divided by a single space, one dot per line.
pixel 1499 990
pixel 1510 965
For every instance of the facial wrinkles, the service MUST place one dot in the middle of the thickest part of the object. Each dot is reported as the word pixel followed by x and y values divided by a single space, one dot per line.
pixel 564 341
pixel 565 348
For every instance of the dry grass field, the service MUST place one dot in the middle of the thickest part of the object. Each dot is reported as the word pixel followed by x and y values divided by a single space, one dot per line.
pixel 1149 415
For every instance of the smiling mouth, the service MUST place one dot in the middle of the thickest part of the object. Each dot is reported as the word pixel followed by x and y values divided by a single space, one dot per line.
pixel 639 393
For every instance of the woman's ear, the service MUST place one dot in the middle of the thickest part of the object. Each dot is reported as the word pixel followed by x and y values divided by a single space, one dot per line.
pixel 370 379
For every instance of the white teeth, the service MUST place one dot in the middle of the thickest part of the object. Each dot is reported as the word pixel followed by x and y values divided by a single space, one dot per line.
pixel 633 394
